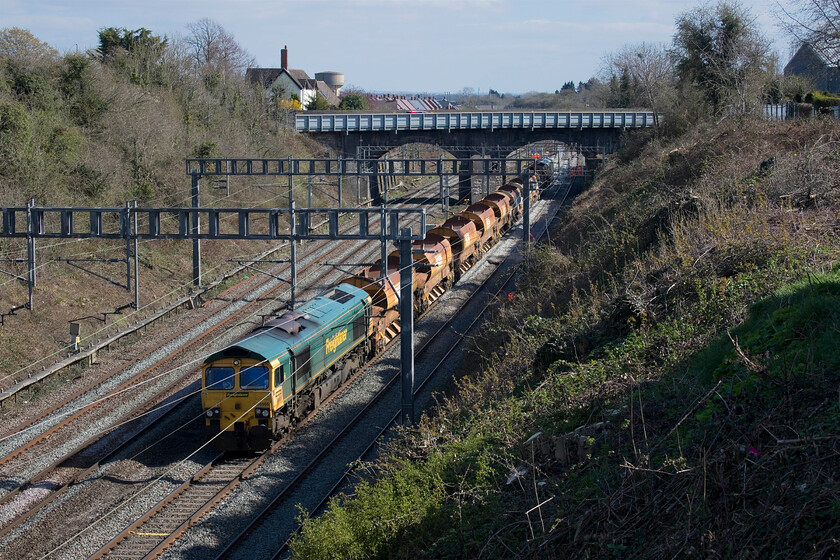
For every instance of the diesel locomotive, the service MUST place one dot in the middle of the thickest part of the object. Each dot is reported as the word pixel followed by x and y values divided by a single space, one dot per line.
pixel 257 388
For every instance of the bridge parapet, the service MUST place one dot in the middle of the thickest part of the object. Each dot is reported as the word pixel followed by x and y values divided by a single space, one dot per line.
pixel 342 121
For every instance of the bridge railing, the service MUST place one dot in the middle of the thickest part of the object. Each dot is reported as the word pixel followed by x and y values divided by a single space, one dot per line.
pixel 372 122
pixel 792 110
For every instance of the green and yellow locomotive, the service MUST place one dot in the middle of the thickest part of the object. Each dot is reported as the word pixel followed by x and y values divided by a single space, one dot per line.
pixel 257 387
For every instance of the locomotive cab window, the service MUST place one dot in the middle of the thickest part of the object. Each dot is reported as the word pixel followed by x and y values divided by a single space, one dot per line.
pixel 253 378
pixel 279 375
pixel 219 378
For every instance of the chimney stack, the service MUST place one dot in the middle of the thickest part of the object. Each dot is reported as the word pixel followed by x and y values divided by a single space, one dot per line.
pixel 284 57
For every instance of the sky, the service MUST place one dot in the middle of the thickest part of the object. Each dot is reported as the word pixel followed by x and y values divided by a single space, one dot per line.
pixel 422 46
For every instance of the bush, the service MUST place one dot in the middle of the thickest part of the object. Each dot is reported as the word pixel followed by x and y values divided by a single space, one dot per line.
pixel 206 150
pixel 353 102
pixel 15 125
pixel 88 181
pixel 319 103
pixel 85 103
pixel 31 85
pixel 15 138
pixel 822 99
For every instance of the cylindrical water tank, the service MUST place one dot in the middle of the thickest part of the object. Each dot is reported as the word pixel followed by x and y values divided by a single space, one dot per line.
pixel 333 79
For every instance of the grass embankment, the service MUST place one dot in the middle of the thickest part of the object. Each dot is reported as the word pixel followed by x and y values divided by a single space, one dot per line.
pixel 677 352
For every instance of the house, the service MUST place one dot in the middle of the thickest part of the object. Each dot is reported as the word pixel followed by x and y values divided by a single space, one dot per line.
pixel 410 104
pixel 293 81
pixel 819 65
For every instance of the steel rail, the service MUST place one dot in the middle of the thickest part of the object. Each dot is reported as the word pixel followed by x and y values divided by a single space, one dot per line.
pixel 190 518
pixel 313 263
pixel 176 532
pixel 321 245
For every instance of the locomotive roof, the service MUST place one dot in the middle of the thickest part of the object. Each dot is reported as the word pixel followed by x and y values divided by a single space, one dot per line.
pixel 292 329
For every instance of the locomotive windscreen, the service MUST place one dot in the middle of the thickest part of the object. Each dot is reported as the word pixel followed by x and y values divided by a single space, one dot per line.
pixel 254 378
pixel 219 378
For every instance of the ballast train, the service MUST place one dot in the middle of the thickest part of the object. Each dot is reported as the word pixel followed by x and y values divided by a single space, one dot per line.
pixel 257 388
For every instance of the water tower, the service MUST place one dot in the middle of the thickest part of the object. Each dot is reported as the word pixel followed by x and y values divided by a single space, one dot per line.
pixel 333 79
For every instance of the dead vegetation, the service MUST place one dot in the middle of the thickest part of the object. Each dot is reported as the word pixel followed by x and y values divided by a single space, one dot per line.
pixel 670 381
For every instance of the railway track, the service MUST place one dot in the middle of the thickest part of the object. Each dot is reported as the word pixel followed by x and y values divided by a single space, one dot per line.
pixel 194 515
pixel 75 463
pixel 164 523
pixel 153 532
pixel 264 521
pixel 145 543
pixel 135 543
pixel 312 469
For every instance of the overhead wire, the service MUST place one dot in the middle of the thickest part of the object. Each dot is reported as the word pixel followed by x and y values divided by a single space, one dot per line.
pixel 142 490
pixel 270 303
pixel 125 317
pixel 398 270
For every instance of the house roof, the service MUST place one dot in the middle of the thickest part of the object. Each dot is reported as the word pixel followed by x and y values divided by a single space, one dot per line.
pixel 301 78
pixel 263 76
pixel 421 103
pixel 828 54
pixel 327 92
pixel 267 76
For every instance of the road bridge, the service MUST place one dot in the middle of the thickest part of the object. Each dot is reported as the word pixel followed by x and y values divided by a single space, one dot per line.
pixel 480 133
pixel 346 131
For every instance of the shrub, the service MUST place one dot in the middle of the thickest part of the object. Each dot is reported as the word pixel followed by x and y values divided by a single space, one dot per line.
pixel 31 85
pixel 318 103
pixel 86 105
pixel 822 99
pixel 353 102
pixel 206 150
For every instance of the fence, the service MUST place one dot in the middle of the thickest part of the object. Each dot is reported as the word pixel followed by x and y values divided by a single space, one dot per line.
pixel 792 110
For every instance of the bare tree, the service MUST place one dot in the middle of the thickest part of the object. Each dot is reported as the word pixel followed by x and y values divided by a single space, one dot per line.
pixel 648 71
pixel 20 44
pixel 215 50
pixel 816 22
pixel 720 50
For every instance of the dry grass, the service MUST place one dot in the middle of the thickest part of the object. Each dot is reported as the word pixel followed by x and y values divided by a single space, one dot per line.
pixel 678 417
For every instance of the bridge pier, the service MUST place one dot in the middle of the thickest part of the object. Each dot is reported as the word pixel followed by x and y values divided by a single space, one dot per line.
pixel 374 192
